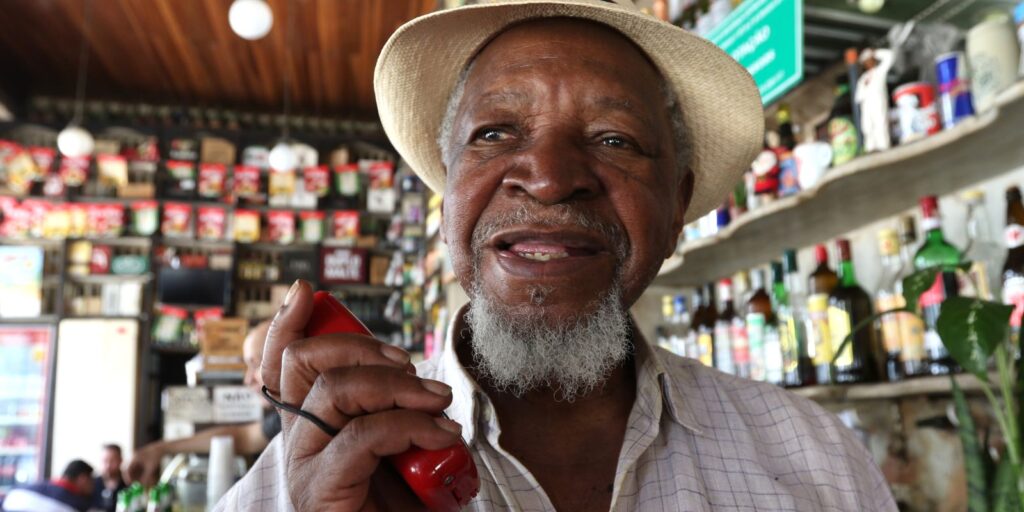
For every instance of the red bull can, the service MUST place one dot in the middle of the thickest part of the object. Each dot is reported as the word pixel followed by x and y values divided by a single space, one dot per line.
pixel 955 100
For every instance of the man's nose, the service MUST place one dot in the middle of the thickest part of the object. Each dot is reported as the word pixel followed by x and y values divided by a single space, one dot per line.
pixel 553 169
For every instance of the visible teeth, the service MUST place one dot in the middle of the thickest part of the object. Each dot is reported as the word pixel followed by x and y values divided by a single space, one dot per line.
pixel 543 256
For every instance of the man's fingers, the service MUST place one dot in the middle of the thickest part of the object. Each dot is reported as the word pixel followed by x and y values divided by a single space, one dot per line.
pixel 341 394
pixel 306 359
pixel 366 439
pixel 288 326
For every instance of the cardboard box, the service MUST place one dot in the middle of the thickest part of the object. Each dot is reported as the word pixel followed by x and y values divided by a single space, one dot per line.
pixel 221 344
pixel 215 150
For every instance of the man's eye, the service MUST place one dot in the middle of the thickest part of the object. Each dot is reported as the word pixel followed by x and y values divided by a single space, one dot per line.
pixel 490 135
pixel 615 142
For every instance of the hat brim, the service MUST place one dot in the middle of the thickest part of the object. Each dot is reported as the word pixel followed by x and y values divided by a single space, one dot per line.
pixel 721 108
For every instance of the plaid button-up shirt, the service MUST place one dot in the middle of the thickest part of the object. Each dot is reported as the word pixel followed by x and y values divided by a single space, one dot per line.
pixel 697 440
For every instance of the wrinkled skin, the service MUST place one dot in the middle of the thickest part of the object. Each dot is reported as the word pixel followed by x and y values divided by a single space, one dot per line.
pixel 556 113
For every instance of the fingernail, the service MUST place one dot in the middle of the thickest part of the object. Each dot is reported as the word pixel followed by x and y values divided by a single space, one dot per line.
pixel 448 425
pixel 437 387
pixel 291 293
pixel 395 354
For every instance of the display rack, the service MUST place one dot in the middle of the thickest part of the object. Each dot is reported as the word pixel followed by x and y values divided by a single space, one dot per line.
pixel 869 188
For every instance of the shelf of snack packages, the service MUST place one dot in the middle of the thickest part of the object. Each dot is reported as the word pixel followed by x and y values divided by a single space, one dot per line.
pixel 869 188
pixel 117 220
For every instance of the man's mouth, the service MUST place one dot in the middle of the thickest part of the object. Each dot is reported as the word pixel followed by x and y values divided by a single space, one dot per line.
pixel 548 245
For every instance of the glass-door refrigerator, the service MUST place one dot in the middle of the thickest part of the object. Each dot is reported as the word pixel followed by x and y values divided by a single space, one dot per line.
pixel 26 354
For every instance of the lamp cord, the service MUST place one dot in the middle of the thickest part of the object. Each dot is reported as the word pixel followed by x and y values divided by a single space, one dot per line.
pixel 83 64
pixel 289 29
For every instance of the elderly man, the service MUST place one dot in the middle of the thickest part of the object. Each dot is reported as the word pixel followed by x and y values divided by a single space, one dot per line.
pixel 577 138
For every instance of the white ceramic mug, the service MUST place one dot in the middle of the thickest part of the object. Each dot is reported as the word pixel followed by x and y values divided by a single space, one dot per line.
pixel 993 56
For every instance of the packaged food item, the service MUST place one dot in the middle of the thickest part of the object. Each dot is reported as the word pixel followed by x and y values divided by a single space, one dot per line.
pixel 915 107
pixel 77 219
pixel 145 215
pixel 381 173
pixel 215 150
pixel 212 180
pixel 202 316
pixel 99 262
pixel 146 149
pixel 37 211
pixel 44 158
pixel 281 226
pixel 21 172
pixel 113 219
pixel 212 222
pixel 129 264
pixel 113 170
pixel 312 226
pixel 247 180
pixel 305 155
pixel 177 221
pixel 183 149
pixel 74 170
pixel 182 177
pixel 256 156
pixel 281 184
pixel 346 224
pixel 57 224
pixel 53 185
pixel 169 323
pixel 346 179
pixel 247 226
pixel 79 255
pixel 16 219
pixel 317 180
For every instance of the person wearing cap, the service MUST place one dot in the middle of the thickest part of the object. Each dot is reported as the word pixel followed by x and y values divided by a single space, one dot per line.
pixel 572 140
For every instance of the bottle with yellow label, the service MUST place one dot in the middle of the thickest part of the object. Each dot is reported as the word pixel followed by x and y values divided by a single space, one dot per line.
pixel 848 305
pixel 889 298
pixel 820 284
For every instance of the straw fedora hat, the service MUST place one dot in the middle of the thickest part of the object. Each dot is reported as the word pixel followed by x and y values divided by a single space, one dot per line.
pixel 421 63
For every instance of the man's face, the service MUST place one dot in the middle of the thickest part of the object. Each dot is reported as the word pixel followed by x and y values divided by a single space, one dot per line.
pixel 563 168
pixel 111 463
pixel 85 484
pixel 252 353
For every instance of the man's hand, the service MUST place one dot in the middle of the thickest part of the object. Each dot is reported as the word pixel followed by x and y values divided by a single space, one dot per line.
pixel 363 387
pixel 145 465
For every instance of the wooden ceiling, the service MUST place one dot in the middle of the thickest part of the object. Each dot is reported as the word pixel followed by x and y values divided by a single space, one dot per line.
pixel 184 52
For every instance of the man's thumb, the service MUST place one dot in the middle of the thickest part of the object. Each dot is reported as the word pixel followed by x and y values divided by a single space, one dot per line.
pixel 288 326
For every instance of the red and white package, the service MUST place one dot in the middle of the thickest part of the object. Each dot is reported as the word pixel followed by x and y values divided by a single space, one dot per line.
pixel 177 221
pixel 381 174
pixel 37 211
pixel 99 261
pixel 345 224
pixel 113 216
pixel 205 315
pixel 212 180
pixel 247 180
pixel 211 222
pixel 44 158
pixel 317 180
pixel 74 170
pixel 281 226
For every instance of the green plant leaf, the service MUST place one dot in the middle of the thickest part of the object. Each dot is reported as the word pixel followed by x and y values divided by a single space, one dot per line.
pixel 1004 488
pixel 971 329
pixel 917 283
pixel 977 495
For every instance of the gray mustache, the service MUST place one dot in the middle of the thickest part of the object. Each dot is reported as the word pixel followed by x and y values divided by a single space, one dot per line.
pixel 561 215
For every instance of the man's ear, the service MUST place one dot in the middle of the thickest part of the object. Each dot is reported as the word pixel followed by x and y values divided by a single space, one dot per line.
pixel 684 196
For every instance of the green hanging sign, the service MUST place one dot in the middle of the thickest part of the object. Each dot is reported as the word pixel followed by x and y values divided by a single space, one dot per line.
pixel 767 38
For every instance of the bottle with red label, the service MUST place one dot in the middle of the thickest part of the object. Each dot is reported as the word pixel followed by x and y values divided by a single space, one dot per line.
pixel 936 252
pixel 1013 269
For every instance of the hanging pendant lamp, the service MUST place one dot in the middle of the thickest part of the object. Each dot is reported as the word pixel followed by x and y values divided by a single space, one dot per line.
pixel 282 157
pixel 75 141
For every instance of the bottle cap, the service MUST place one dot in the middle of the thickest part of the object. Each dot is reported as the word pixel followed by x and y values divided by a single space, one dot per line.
pixel 820 254
pixel 851 56
pixel 888 242
pixel 973 196
pixel 789 260
pixel 929 206
pixel 844 249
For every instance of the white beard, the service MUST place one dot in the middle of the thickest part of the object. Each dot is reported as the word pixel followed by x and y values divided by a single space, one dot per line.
pixel 517 350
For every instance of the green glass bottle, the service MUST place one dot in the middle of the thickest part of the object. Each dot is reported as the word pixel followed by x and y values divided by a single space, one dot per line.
pixel 849 305
pixel 936 252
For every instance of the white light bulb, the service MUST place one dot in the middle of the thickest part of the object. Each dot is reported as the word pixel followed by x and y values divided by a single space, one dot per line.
pixel 250 19
pixel 75 141
pixel 282 158
pixel 871 6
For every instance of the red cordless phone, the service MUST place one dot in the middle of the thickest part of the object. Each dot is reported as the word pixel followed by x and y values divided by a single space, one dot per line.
pixel 444 480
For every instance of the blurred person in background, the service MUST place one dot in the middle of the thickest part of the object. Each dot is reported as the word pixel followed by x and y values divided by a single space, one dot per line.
pixel 72 492
pixel 249 438
pixel 110 480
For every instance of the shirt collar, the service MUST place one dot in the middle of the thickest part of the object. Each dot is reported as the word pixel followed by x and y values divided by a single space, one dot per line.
pixel 654 382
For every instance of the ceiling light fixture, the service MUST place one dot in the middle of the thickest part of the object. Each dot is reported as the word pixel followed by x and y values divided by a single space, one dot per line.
pixel 250 19
pixel 75 141
pixel 282 157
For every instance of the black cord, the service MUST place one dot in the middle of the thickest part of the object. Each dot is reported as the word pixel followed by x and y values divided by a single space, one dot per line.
pixel 321 424
pixel 83 63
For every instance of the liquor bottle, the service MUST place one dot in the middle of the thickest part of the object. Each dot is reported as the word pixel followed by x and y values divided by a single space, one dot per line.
pixel 681 328
pixel 888 298
pixel 819 340
pixel 848 305
pixel 664 337
pixel 790 308
pixel 759 316
pixel 703 327
pixel 842 130
pixel 983 251
pixel 936 252
pixel 740 339
pixel 723 329
pixel 911 326
pixel 789 182
pixel 1013 268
